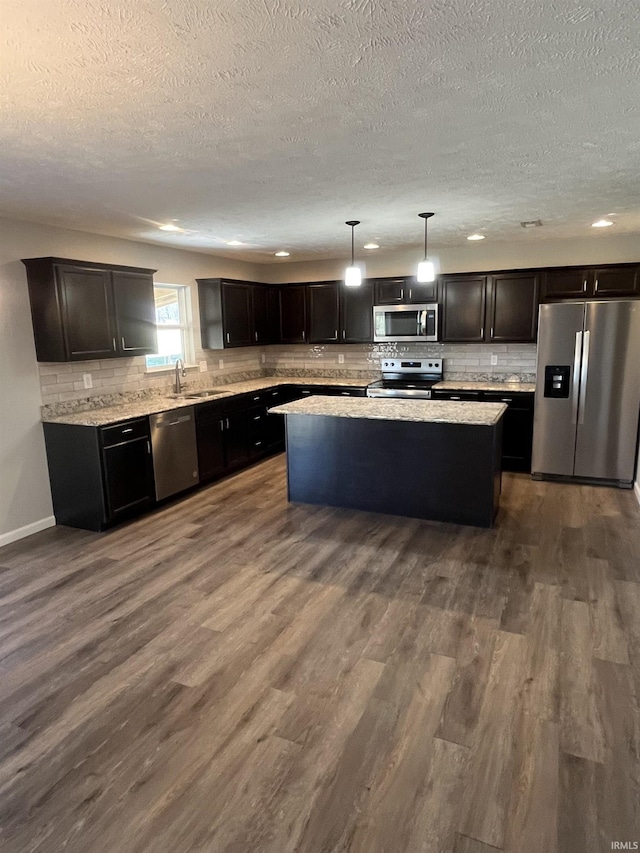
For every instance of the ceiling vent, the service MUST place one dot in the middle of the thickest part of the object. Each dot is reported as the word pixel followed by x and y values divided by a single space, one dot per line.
pixel 531 223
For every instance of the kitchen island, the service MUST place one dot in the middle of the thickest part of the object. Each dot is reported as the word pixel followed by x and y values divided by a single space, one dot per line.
pixel 430 459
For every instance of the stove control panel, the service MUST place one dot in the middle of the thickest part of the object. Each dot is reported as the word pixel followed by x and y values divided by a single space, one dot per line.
pixel 406 365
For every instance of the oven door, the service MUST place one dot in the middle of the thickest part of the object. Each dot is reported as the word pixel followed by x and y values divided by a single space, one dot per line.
pixel 405 322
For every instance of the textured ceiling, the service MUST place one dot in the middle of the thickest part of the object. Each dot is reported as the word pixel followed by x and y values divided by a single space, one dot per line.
pixel 273 122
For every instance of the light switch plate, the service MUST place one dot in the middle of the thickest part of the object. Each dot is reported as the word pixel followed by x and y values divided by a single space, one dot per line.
pixel 341 359
pixel 87 380
pixel 494 360
pixel 203 366
pixel 220 363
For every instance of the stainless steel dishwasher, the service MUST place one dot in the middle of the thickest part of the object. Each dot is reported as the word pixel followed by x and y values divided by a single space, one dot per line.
pixel 174 450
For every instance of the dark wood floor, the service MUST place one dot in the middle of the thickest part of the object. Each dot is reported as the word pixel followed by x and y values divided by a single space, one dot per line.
pixel 235 674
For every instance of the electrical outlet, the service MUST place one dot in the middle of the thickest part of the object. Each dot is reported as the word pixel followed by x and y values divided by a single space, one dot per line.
pixel 87 380
pixel 221 364
pixel 263 358
pixel 341 359
pixel 203 366
pixel 494 360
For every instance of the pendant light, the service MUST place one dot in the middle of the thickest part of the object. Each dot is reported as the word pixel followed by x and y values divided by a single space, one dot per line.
pixel 426 269
pixel 353 275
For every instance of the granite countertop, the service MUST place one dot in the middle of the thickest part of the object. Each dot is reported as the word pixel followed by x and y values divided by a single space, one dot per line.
pixel 425 411
pixel 152 405
pixel 507 387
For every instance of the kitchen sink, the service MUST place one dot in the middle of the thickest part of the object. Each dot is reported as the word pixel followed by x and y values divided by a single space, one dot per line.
pixel 196 395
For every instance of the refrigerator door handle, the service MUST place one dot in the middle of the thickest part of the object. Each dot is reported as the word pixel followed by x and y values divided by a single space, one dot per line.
pixel 583 377
pixel 575 382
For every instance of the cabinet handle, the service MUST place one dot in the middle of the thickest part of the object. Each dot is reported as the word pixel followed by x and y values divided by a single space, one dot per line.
pixel 401 294
pixel 221 426
pixel 228 337
pixel 227 423
pixel 113 344
pixel 343 334
pixel 584 285
pixel 304 335
pixel 274 393
pixel 129 429
pixel 149 447
pixel 345 393
pixel 124 346
pixel 410 292
pixel 257 417
pixel 454 398
pixel 506 399
pixel 257 443
pixel 256 398
pixel 255 335
pixel 595 286
pixel 491 332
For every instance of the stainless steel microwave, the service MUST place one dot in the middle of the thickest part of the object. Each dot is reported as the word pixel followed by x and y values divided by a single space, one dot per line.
pixel 406 322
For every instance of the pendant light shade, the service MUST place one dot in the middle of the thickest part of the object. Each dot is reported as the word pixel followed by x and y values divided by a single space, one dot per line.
pixel 353 275
pixel 426 269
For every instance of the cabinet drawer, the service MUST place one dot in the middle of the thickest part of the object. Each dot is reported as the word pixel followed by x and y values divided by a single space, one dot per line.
pixel 457 395
pixel 515 399
pixel 126 431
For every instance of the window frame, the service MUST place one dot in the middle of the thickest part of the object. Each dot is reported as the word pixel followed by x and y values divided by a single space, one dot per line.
pixel 185 327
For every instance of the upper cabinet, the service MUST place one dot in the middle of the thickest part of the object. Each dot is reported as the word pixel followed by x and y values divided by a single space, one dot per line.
pixel 494 308
pixel 323 301
pixel 233 313
pixel 399 291
pixel 356 314
pixel 266 320
pixel 512 307
pixel 81 310
pixel 463 308
pixel 591 282
pixel 293 314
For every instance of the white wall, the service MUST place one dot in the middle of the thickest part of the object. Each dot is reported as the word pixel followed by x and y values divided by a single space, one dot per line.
pixel 25 500
pixel 484 255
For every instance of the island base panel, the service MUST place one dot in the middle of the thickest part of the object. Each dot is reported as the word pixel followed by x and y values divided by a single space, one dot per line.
pixel 437 471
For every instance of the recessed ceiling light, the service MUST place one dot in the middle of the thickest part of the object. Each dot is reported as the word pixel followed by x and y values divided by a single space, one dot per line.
pixel 169 227
pixel 475 237
pixel 531 223
pixel 234 243
pixel 371 246
pixel 282 254
pixel 602 223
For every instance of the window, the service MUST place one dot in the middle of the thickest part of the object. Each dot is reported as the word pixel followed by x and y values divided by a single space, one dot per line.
pixel 175 339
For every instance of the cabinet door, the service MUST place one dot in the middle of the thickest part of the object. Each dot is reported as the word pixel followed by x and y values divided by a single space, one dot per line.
pixel 513 307
pixel 128 476
pixel 324 308
pixel 263 315
pixel 274 424
pixel 391 291
pixel 135 313
pixel 88 311
pixel 566 284
pixel 237 314
pixel 293 314
pixel 210 425
pixel 616 281
pixel 236 437
pixel 421 291
pixel 356 314
pixel 463 308
pixel 517 429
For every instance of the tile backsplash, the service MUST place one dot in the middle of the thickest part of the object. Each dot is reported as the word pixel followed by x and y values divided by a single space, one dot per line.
pixel 63 382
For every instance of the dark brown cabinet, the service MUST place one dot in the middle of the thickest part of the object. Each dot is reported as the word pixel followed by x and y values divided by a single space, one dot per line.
pixel 566 283
pixel 463 308
pixel 616 281
pixel 398 291
pixel 265 315
pixel 237 314
pixel 323 302
pixel 293 314
pixel 356 314
pixel 135 313
pixel 81 310
pixel 99 475
pixel 512 307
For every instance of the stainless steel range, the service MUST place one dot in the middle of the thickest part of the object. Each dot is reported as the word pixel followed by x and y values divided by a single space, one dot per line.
pixel 408 378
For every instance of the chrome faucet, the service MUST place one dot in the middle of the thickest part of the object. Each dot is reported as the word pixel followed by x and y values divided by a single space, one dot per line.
pixel 180 371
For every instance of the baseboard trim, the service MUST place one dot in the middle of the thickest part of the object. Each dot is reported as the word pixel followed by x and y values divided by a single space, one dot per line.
pixel 27 530
pixel 636 489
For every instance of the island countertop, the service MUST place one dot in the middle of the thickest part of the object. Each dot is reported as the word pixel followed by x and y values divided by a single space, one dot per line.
pixel 422 411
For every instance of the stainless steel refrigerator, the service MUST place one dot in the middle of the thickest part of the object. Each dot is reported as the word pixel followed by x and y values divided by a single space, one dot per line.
pixel 587 391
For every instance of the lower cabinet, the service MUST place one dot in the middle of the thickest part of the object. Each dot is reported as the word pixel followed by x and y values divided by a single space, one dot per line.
pixel 517 428
pixel 99 475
